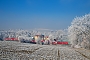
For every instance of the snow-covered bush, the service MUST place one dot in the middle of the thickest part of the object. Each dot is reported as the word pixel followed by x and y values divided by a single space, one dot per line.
pixel 79 32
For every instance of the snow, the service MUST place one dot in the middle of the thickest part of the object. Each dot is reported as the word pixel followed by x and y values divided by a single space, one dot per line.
pixel 79 32
pixel 10 50
pixel 78 35
pixel 52 34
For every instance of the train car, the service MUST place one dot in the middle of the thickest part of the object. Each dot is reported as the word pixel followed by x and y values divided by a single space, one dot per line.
pixel 11 39
pixel 33 41
pixel 61 42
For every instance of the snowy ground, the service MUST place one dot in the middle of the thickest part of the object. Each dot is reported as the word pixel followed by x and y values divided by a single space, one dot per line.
pixel 10 50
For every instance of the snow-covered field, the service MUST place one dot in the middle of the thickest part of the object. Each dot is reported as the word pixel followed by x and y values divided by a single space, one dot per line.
pixel 10 50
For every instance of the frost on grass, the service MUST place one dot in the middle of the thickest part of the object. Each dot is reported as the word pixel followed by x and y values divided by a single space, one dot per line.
pixel 21 51
pixel 79 32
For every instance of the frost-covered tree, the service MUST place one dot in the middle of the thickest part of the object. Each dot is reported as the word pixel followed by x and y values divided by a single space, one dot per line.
pixel 79 32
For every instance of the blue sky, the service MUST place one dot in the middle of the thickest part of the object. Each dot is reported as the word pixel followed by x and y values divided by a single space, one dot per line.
pixel 48 14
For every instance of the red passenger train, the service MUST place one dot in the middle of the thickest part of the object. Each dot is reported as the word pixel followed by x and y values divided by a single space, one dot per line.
pixel 11 39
